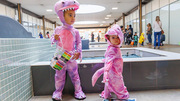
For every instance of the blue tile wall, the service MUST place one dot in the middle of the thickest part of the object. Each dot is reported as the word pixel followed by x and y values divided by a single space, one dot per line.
pixel 16 56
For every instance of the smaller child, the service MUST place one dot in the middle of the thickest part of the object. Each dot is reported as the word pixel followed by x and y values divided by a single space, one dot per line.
pixel 135 39
pixel 141 39
pixel 113 66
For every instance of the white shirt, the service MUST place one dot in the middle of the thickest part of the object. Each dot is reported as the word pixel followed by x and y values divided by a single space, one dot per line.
pixel 157 27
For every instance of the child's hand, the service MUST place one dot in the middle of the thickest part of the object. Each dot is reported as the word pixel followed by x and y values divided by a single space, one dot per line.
pixel 56 37
pixel 76 56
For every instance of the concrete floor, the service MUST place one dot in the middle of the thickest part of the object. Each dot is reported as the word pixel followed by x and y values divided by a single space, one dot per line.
pixel 151 95
pixel 154 95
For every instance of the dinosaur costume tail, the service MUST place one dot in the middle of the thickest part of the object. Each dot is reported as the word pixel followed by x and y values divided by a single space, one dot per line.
pixel 96 75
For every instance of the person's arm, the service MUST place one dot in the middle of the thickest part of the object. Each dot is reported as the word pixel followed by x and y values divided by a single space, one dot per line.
pixel 108 65
pixel 78 46
pixel 54 36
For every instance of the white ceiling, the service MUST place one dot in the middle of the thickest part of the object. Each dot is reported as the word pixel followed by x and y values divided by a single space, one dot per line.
pixel 40 6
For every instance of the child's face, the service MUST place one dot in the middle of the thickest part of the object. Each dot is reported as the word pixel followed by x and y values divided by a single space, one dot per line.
pixel 69 17
pixel 114 39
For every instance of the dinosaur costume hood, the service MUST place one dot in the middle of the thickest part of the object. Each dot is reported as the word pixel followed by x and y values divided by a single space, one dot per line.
pixel 64 5
pixel 115 30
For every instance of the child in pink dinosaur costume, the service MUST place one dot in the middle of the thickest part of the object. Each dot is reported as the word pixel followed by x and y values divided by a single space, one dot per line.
pixel 113 66
pixel 68 37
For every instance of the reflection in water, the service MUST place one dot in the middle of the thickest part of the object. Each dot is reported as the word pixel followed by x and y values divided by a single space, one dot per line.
pixel 102 57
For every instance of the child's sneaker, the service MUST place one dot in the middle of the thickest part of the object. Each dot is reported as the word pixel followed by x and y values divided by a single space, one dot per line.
pixel 102 95
pixel 79 95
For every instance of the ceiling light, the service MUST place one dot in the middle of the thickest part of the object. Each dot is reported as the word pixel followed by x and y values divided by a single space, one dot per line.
pixel 49 10
pixel 108 15
pixel 104 22
pixel 106 18
pixel 84 9
pixel 101 24
pixel 86 22
pixel 114 8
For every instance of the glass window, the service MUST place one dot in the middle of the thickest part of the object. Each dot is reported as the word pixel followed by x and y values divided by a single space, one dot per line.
pixel 164 16
pixel 174 22
pixel 148 20
pixel 134 26
pixel 144 27
pixel 143 24
pixel 26 25
pixel 154 14
pixel 137 24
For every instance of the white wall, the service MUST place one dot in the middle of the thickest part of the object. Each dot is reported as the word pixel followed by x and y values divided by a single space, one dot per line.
pixel 148 7
pixel 143 10
pixel 2 10
pixel 10 12
pixel 164 3
pixel 172 1
pixel 7 11
pixel 155 5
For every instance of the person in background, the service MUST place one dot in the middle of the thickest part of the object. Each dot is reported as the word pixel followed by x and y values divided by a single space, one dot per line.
pixel 98 37
pixel 128 38
pixel 149 33
pixel 127 27
pixel 157 26
pixel 40 35
pixel 135 39
pixel 131 30
pixel 123 31
pixel 47 35
pixel 92 37
pixel 141 39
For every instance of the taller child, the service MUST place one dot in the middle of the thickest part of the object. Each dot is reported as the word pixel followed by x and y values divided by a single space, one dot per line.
pixel 68 37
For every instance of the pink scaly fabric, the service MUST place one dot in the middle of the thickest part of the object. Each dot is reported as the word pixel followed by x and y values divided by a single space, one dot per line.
pixel 66 40
pixel 69 38
pixel 112 69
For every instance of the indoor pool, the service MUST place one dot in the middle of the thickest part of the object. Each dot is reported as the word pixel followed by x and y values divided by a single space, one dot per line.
pixel 143 69
pixel 102 57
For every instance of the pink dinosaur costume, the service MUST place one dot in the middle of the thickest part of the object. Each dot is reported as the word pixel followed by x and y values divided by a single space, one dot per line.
pixel 69 38
pixel 113 69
